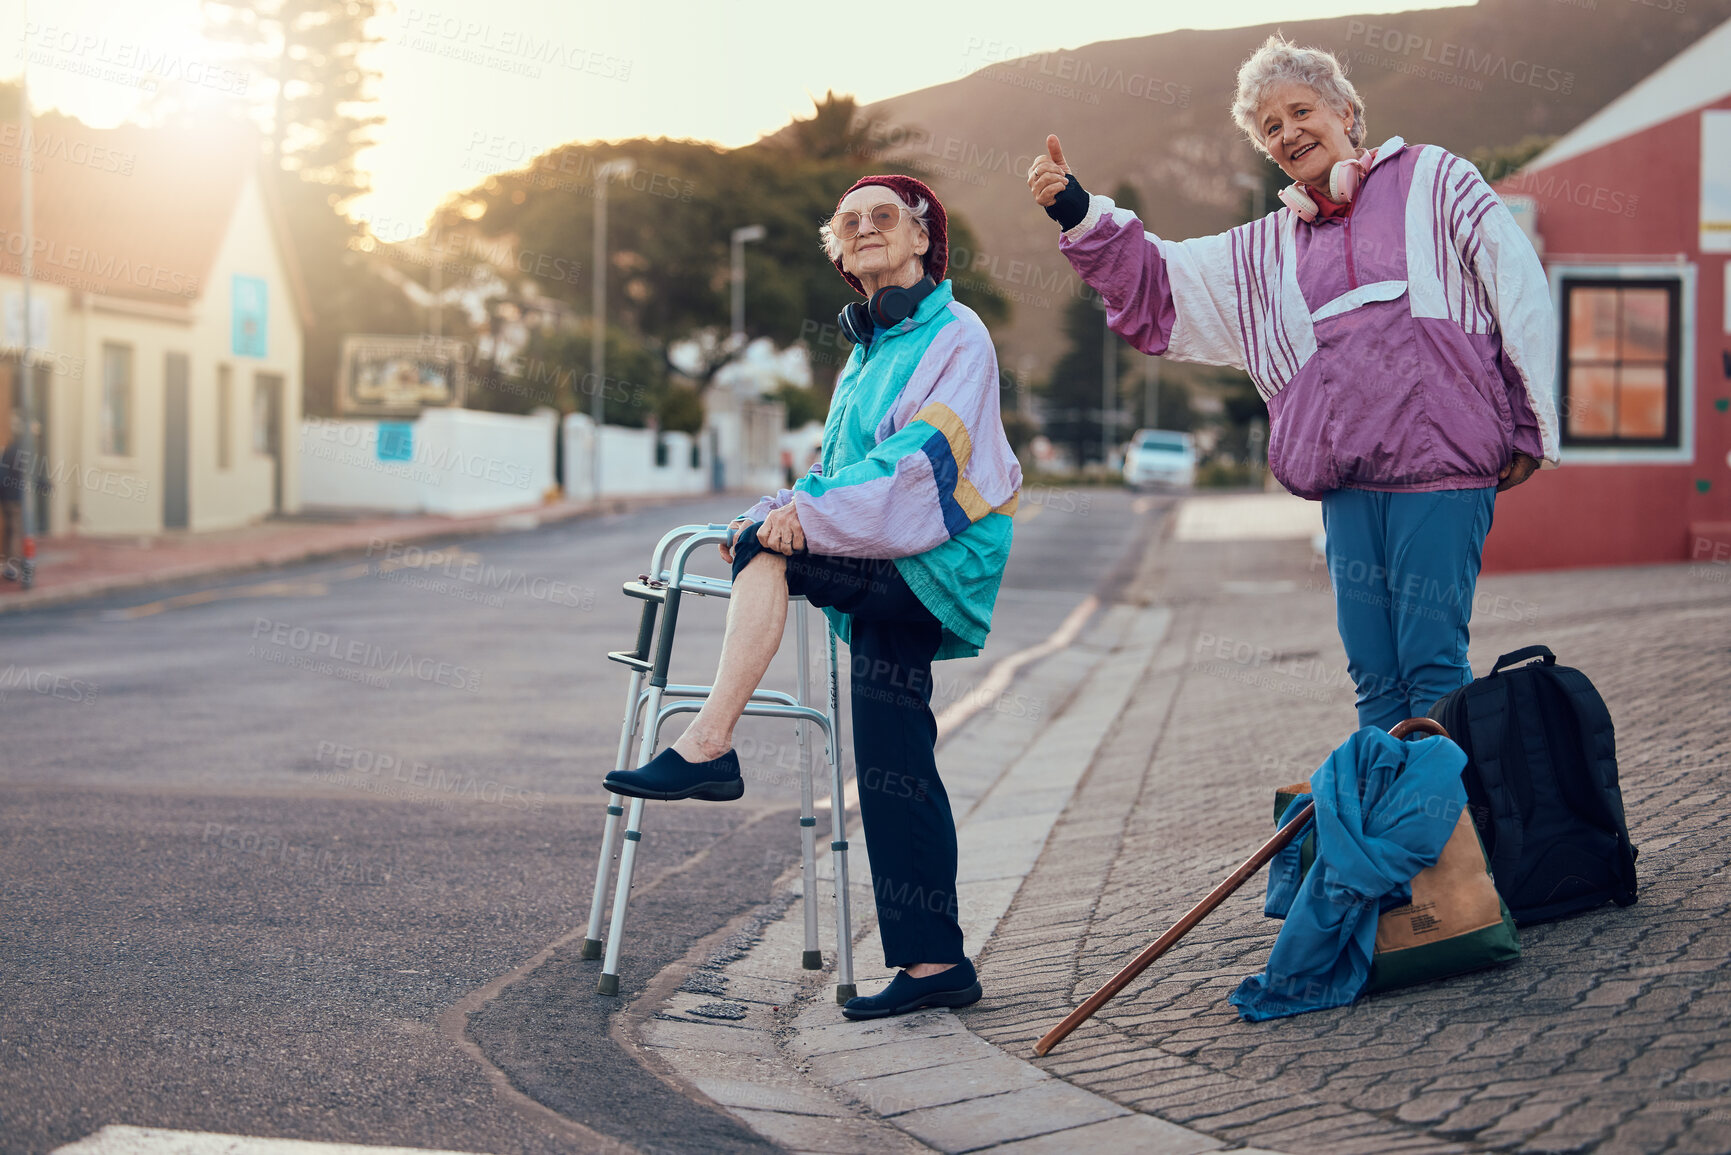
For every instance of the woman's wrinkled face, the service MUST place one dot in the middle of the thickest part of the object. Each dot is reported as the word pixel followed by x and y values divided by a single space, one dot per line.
pixel 1303 134
pixel 871 254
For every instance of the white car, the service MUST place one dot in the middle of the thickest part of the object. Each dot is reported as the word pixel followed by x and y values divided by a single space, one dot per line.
pixel 1160 457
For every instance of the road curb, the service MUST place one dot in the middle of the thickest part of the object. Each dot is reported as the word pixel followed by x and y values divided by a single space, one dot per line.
pixel 509 521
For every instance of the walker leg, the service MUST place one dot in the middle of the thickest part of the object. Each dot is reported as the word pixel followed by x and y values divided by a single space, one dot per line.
pixel 812 959
pixel 592 940
pixel 844 989
pixel 650 730
pixel 609 984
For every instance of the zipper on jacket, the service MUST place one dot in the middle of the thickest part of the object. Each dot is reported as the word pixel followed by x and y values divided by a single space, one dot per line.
pixel 1351 272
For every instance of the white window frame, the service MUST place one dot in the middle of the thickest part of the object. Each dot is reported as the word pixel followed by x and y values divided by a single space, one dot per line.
pixel 1683 272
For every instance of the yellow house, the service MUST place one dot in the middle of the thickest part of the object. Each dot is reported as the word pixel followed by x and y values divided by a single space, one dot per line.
pixel 164 332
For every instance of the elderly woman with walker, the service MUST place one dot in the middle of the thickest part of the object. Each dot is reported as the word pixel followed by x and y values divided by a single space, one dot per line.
pixel 900 533
pixel 1398 325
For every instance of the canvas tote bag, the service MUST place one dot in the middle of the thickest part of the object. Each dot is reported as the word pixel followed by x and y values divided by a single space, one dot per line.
pixel 1456 921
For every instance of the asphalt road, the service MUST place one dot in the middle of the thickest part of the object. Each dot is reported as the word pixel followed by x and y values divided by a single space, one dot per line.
pixel 263 841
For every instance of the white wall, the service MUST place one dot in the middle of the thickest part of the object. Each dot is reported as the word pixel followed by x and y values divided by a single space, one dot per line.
pixel 628 461
pixel 462 462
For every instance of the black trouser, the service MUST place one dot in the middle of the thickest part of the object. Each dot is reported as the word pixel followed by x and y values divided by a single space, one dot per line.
pixel 910 831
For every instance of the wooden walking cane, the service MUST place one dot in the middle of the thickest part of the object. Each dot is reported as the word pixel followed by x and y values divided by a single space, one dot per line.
pixel 1204 908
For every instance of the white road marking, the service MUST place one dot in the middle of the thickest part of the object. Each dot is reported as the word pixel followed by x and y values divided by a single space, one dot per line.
pixel 116 1139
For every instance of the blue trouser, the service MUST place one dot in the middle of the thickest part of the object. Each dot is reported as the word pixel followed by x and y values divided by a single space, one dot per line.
pixel 1403 567
pixel 910 829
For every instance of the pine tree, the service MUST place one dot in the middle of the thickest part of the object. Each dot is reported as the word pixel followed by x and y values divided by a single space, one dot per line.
pixel 311 50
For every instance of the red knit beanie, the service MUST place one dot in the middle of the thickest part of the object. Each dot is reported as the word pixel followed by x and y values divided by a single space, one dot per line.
pixel 937 224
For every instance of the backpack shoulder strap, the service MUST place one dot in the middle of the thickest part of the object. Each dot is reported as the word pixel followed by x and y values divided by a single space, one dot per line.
pixel 1487 711
pixel 1599 745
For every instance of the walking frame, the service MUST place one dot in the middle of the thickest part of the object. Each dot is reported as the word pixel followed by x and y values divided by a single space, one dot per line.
pixel 647 709
pixel 1202 909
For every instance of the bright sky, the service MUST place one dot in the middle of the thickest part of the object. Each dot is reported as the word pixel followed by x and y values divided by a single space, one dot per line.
pixel 472 87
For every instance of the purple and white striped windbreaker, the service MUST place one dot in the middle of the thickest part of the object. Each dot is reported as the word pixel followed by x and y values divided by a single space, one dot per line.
pixel 1409 345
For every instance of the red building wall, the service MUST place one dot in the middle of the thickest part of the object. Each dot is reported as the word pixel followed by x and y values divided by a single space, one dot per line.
pixel 1634 200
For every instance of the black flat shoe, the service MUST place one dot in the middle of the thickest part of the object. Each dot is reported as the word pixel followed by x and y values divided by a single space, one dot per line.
pixel 957 987
pixel 667 776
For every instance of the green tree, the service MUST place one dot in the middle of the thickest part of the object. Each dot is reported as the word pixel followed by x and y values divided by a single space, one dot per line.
pixel 554 371
pixel 668 228
pixel 311 50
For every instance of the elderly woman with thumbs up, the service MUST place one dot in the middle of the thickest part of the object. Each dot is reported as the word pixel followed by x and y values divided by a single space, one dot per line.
pixel 1398 325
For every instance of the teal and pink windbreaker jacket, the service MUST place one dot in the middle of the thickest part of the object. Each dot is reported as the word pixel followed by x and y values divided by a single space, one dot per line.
pixel 1408 345
pixel 916 468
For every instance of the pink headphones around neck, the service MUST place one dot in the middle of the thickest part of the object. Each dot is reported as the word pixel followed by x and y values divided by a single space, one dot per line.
pixel 1343 182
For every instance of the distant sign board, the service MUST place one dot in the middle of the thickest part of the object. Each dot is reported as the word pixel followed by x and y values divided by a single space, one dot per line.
pixel 1716 181
pixel 392 376
pixel 396 441
pixel 249 300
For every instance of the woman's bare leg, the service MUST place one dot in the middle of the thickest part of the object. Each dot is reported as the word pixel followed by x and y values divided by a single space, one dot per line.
pixel 756 615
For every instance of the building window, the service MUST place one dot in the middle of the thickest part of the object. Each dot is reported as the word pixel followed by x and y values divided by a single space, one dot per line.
pixel 116 431
pixel 224 416
pixel 1622 360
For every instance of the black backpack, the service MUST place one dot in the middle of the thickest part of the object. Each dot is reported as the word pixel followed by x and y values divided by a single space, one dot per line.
pixel 1541 780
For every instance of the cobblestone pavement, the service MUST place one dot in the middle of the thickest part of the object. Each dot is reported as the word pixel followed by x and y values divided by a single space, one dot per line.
pixel 1611 1033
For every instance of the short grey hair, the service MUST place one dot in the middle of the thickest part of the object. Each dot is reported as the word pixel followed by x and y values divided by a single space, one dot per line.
pixel 1279 61
pixel 919 211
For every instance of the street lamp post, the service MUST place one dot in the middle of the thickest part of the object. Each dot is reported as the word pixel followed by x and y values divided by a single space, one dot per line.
pixel 737 247
pixel 1108 387
pixel 26 268
pixel 621 168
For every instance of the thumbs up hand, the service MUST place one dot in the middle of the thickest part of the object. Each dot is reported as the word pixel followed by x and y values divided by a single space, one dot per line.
pixel 1048 174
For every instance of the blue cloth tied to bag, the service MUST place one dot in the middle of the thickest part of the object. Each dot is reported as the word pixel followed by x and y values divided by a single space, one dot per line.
pixel 1384 810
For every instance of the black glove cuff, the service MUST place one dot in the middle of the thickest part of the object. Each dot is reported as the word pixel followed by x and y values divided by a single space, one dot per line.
pixel 1070 206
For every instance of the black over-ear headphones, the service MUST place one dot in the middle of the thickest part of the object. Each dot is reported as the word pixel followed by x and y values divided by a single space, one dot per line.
pixel 888 306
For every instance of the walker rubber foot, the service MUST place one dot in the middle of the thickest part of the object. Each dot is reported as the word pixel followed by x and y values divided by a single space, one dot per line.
pixel 812 960
pixel 609 985
pixel 591 948
pixel 845 991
